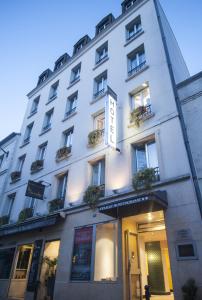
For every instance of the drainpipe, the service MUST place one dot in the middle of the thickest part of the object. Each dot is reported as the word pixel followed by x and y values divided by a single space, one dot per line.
pixel 179 109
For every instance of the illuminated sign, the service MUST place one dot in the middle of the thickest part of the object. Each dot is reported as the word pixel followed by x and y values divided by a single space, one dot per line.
pixel 110 119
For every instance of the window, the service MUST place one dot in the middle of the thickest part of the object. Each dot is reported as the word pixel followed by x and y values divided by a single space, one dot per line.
pixel 9 205
pixel 1 160
pixel 134 28
pixel 99 121
pixel 71 104
pixel 102 53
pixel 104 23
pixel 67 137
pixel 28 133
pixel 141 98
pixel 186 250
pixel 100 85
pixel 98 173
pixel 104 249
pixel 75 74
pixel 42 151
pixel 6 262
pixel 23 260
pixel 136 61
pixel 53 91
pixel 35 104
pixel 146 156
pixel 62 186
pixel 47 120
pixel 30 203
pixel 20 163
pixel 127 4
pixel 106 252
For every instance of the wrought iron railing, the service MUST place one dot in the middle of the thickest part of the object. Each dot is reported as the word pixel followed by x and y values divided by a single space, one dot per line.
pixel 134 34
pixel 137 69
pixel 101 59
pixel 99 93
pixel 69 112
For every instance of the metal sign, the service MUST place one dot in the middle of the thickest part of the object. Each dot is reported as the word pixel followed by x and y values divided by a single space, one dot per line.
pixel 111 119
pixel 35 190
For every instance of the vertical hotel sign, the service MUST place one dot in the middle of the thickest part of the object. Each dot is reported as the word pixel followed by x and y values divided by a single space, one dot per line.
pixel 111 119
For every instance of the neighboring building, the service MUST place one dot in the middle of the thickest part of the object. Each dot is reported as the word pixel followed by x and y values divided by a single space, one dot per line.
pixel 145 233
pixel 7 148
pixel 190 98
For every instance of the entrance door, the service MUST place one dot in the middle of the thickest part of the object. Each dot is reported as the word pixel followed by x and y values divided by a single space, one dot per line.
pixel 132 265
pixel 21 271
pixel 155 268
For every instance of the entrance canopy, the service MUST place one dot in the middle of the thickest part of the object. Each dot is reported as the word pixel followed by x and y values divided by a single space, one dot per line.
pixel 135 205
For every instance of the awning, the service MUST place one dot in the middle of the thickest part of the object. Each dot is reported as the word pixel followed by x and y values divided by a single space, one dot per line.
pixel 30 224
pixel 135 205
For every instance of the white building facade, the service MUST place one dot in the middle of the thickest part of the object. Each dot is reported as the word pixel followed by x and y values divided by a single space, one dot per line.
pixel 145 227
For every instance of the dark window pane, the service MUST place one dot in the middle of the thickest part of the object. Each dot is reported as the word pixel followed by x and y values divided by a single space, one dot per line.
pixel 186 250
pixel 6 260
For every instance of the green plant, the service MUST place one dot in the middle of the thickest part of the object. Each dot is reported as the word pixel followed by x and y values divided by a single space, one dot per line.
pixel 25 214
pixel 135 115
pixel 37 165
pixel 189 290
pixel 63 152
pixel 92 195
pixel 144 179
pixel 51 263
pixel 95 137
pixel 15 175
pixel 4 220
pixel 55 204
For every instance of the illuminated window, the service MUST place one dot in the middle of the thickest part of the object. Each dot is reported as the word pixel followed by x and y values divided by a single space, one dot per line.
pixel 146 156
pixel 99 121
pixel 106 252
pixel 141 98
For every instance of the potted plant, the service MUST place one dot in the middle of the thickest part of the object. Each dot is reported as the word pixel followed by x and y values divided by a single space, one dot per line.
pixel 25 214
pixel 95 137
pixel 15 175
pixel 50 275
pixel 37 165
pixel 4 220
pixel 92 195
pixel 55 204
pixel 189 290
pixel 63 152
pixel 144 179
pixel 136 114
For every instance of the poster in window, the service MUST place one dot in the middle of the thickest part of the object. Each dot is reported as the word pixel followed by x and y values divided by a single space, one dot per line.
pixel 6 261
pixel 81 259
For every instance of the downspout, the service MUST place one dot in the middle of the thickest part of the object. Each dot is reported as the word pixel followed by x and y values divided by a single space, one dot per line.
pixel 179 109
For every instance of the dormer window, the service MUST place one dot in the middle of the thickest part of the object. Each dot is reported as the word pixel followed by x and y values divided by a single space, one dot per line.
pixel 133 29
pixel 104 23
pixel 81 43
pixel 44 76
pixel 75 74
pixel 127 4
pixel 61 61
pixel 101 53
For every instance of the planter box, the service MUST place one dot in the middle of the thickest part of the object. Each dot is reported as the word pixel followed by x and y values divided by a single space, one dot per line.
pixel 25 214
pixel 63 153
pixel 37 165
pixel 95 137
pixel 15 176
pixel 55 205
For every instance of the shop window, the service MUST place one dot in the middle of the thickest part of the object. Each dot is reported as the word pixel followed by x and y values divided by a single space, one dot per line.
pixel 82 254
pixel 141 98
pixel 6 261
pixel 106 252
pixel 186 251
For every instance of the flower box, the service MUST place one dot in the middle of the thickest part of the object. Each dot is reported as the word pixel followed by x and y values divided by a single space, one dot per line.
pixel 143 179
pixel 63 153
pixel 37 165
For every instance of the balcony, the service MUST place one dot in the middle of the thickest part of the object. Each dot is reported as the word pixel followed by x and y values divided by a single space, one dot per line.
pixel 37 165
pixel 95 137
pixel 137 69
pixel 15 176
pixel 63 153
pixel 140 114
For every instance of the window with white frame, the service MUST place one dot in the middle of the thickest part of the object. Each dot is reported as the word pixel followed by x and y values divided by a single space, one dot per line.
pixel 146 156
pixel 28 132
pixel 71 104
pixel 62 186
pixel 100 84
pixel 9 205
pixel 42 151
pixel 136 60
pixel 101 53
pixel 35 104
pixel 53 91
pixel 98 173
pixel 48 120
pixel 67 137
pixel 141 98
pixel 20 163
pixel 133 28
pixel 75 73
pixel 129 4
pixel 1 160
pixel 99 121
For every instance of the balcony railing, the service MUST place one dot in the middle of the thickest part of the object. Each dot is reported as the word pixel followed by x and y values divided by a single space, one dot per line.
pixel 147 111
pixel 134 34
pixel 137 69
pixel 69 112
pixel 99 93
pixel 101 59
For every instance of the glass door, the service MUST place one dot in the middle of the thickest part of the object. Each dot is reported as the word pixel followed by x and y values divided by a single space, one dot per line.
pixel 132 266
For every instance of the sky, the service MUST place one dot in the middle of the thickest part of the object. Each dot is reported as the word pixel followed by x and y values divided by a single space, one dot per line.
pixel 34 33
